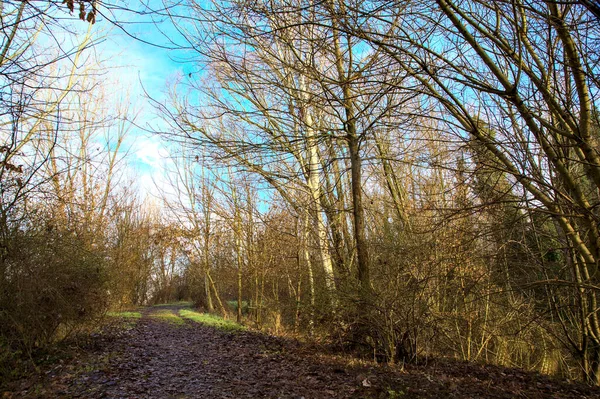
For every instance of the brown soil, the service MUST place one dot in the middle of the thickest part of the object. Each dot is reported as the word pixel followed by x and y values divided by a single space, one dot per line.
pixel 156 359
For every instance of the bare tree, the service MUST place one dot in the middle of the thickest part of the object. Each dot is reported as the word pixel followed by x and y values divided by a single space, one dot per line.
pixel 519 78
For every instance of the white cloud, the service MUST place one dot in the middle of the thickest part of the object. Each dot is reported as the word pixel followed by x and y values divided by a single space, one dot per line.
pixel 150 153
pixel 148 164
pixel 134 70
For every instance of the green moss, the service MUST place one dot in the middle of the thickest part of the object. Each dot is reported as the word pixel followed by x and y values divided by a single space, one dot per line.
pixel 395 394
pixel 211 320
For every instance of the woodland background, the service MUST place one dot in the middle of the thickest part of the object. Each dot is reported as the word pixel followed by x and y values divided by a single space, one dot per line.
pixel 405 179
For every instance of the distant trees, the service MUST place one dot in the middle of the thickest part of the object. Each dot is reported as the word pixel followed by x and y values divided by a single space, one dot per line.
pixel 445 154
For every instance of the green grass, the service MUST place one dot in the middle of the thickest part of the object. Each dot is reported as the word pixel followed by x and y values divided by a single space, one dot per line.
pixel 168 316
pixel 180 303
pixel 127 315
pixel 211 320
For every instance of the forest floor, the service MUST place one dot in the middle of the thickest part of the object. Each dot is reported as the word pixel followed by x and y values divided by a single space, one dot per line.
pixel 164 356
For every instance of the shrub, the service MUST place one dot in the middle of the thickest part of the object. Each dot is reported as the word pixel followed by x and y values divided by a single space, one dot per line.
pixel 52 283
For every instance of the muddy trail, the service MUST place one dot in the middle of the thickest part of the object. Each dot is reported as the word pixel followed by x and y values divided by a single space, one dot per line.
pixel 163 356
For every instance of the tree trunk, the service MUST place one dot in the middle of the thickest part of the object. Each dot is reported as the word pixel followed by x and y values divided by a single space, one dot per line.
pixel 209 304
pixel 314 163
pixel 358 210
pixel 353 140
pixel 311 280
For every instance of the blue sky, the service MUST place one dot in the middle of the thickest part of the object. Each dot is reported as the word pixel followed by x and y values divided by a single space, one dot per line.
pixel 135 68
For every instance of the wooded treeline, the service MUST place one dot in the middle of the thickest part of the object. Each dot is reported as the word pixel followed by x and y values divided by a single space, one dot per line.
pixel 74 238
pixel 408 179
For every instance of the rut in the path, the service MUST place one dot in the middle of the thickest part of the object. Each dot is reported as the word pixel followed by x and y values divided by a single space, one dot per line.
pixel 162 360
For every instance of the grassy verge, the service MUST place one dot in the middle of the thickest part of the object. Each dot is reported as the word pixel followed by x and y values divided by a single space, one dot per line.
pixel 211 320
pixel 180 303
pixel 167 316
pixel 127 315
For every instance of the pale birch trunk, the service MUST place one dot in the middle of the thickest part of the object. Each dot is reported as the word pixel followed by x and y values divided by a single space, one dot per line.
pixel 314 185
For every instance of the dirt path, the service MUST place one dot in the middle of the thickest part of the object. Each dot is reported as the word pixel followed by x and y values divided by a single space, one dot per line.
pixel 168 360
pixel 161 359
